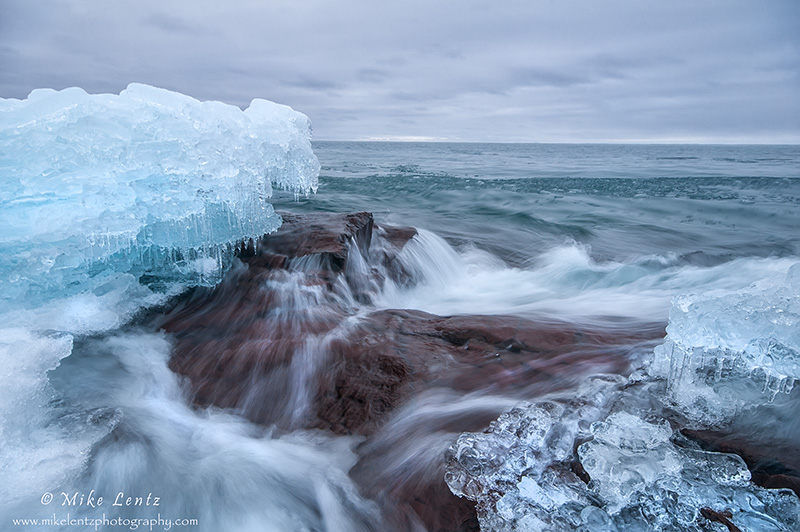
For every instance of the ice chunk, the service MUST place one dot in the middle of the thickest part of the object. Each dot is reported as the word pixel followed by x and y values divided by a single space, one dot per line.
pixel 519 472
pixel 731 350
pixel 626 455
pixel 630 470
pixel 147 181
pixel 609 459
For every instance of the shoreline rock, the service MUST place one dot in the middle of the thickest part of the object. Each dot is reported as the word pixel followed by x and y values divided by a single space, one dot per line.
pixel 285 340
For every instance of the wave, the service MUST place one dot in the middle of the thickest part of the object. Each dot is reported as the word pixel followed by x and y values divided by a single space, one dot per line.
pixel 565 281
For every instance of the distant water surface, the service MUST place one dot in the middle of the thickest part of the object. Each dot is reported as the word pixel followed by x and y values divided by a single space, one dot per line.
pixel 705 203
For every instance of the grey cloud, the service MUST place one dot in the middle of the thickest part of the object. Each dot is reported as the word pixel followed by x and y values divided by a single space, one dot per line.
pixel 311 82
pixel 169 23
pixel 416 96
pixel 544 77
pixel 469 69
pixel 373 75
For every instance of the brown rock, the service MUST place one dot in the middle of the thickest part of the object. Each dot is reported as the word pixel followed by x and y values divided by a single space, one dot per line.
pixel 278 341
pixel 392 354
pixel 237 342
pixel 720 517
pixel 325 235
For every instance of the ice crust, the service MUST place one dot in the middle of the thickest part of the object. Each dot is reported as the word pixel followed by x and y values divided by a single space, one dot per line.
pixel 147 181
pixel 610 458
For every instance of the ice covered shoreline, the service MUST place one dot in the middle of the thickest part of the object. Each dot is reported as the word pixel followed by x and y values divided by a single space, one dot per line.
pixel 116 203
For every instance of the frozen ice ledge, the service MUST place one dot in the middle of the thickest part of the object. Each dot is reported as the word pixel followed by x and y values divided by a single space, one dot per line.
pixel 148 182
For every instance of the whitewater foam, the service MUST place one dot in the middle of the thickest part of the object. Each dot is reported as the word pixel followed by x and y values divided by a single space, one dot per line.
pixel 207 465
pixel 566 281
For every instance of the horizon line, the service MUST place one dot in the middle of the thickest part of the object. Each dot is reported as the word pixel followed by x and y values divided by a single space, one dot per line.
pixel 657 142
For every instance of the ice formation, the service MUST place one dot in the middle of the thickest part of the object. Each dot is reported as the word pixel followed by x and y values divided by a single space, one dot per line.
pixel 609 458
pixel 588 464
pixel 137 182
pixel 105 201
pixel 725 352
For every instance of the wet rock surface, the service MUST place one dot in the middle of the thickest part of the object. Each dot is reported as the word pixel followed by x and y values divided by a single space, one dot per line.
pixel 392 354
pixel 289 339
pixel 324 235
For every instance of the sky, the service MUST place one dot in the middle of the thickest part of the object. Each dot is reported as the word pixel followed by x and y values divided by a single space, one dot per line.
pixel 725 71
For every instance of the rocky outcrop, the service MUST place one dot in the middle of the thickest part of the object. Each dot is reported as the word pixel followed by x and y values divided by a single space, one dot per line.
pixel 391 354
pixel 287 341
pixel 237 344
pixel 326 236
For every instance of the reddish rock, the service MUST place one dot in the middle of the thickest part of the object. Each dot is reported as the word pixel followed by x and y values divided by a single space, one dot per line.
pixel 326 235
pixel 280 341
pixel 390 355
pixel 236 343
pixel 720 517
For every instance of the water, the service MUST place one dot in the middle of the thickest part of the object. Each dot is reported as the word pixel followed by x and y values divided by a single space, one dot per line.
pixel 518 200
pixel 599 236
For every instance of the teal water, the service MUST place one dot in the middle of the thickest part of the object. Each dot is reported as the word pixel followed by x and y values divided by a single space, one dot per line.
pixel 707 204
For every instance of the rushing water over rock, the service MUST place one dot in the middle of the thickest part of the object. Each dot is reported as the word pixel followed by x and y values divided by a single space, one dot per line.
pixel 291 340
pixel 495 330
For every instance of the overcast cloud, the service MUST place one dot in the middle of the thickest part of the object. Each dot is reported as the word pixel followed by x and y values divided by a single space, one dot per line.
pixel 516 70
